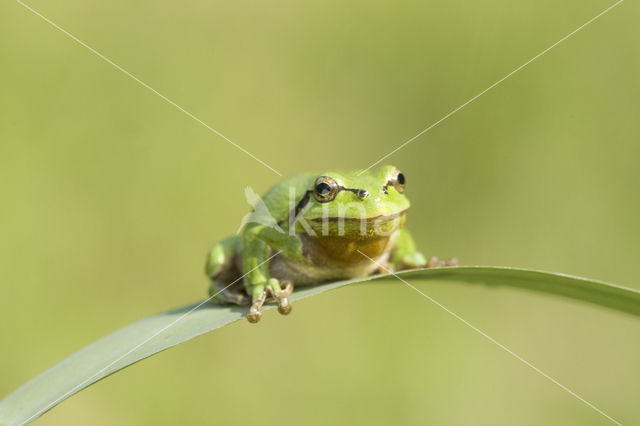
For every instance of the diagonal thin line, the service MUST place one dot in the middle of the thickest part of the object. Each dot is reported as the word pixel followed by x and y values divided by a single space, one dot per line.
pixel 142 83
pixel 491 339
pixel 145 341
pixel 493 85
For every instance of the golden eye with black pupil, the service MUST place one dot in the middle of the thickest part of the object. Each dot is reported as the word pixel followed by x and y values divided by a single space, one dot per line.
pixel 398 181
pixel 325 189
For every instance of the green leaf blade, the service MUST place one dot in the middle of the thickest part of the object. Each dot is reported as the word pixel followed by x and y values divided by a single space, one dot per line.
pixel 151 335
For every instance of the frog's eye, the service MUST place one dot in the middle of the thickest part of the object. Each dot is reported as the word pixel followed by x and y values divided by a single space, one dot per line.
pixel 398 181
pixel 325 189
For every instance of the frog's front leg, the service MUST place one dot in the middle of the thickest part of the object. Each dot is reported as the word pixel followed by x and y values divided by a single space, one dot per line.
pixel 406 256
pixel 220 268
pixel 436 262
pixel 258 242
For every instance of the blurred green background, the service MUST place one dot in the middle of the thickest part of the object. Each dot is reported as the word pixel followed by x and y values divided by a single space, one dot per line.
pixel 111 198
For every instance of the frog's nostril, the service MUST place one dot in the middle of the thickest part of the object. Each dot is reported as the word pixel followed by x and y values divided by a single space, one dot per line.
pixel 362 193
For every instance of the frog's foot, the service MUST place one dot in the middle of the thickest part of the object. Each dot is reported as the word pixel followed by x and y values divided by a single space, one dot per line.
pixel 271 289
pixel 280 295
pixel 413 260
pixel 226 296
pixel 408 261
pixel 435 262
pixel 255 311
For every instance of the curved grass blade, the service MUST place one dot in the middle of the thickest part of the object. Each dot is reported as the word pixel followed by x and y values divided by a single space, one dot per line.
pixel 141 339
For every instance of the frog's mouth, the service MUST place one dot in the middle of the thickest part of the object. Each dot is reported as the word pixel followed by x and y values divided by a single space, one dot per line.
pixel 369 228
pixel 380 218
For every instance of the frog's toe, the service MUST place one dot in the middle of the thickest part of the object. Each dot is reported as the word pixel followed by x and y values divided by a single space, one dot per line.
pixel 284 306
pixel 435 262
pixel 452 262
pixel 254 315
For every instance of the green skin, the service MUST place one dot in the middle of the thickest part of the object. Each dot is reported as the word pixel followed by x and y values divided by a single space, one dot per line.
pixel 318 240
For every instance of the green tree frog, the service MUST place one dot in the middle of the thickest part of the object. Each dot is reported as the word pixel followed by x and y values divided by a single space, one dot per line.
pixel 312 228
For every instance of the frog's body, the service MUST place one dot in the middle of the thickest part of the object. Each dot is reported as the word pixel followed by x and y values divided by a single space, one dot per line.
pixel 312 228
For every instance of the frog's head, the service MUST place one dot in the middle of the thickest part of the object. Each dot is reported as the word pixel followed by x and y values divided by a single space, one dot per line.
pixel 356 203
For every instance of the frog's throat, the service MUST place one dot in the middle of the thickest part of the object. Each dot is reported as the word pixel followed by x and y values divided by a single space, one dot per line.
pixel 347 242
pixel 345 251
